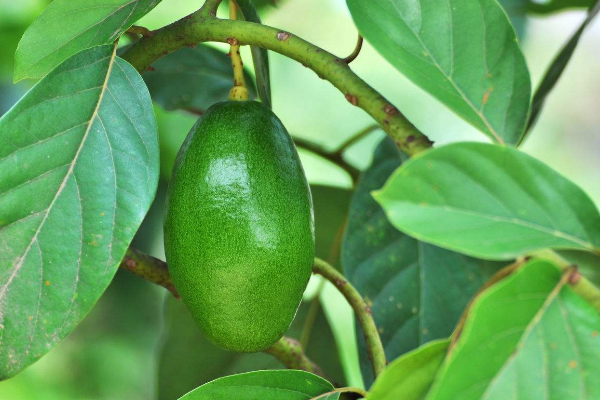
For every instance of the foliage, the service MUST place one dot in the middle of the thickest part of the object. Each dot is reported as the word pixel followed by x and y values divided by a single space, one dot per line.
pixel 458 260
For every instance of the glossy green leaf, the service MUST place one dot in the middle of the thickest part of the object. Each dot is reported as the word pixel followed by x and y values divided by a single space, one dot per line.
pixel 557 67
pixel 552 6
pixel 260 56
pixel 193 79
pixel 528 337
pixel 264 385
pixel 463 52
pixel 69 26
pixel 416 291
pixel 410 376
pixel 489 201
pixel 187 360
pixel 78 172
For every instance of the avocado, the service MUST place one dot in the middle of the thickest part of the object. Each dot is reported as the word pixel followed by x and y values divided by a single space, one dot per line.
pixel 239 226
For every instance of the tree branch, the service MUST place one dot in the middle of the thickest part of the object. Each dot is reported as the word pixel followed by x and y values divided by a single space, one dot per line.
pixel 202 26
pixel 362 311
pixel 150 268
pixel 289 352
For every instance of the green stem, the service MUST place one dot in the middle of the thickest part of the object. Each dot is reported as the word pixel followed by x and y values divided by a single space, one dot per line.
pixel 360 393
pixel 289 352
pixel 202 26
pixel 150 268
pixel 362 311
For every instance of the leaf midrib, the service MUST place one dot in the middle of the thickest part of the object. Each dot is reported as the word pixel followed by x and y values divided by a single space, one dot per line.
pixel 586 244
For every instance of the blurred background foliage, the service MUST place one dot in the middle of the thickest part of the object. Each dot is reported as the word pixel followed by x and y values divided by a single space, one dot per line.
pixel 139 344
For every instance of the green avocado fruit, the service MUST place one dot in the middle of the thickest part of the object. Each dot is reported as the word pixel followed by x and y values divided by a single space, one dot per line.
pixel 239 226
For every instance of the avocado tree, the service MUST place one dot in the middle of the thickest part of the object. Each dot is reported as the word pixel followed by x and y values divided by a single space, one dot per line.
pixel 469 267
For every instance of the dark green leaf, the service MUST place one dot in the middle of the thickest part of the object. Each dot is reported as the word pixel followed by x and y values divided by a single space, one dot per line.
pixel 463 52
pixel 69 26
pixel 264 385
pixel 416 291
pixel 78 171
pixel 188 360
pixel 527 337
pixel 556 69
pixel 489 201
pixel 331 210
pixel 193 79
pixel 410 376
pixel 551 6
pixel 260 56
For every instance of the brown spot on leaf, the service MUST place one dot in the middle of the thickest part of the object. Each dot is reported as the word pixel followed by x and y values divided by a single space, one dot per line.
pixel 47 283
pixel 572 364
pixel 151 69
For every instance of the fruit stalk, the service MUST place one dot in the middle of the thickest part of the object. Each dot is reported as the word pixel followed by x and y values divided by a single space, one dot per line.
pixel 362 311
pixel 238 92
pixel 203 26
pixel 290 353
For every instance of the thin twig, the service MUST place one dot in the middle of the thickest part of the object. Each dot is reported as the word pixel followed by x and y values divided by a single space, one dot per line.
pixel 150 268
pixel 290 353
pixel 356 51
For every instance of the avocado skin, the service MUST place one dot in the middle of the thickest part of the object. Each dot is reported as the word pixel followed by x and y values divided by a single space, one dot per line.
pixel 239 226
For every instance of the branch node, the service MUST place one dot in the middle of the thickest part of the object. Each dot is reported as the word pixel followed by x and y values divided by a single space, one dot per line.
pixel 283 36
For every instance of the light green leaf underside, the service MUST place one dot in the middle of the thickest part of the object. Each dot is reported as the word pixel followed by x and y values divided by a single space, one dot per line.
pixel 193 79
pixel 529 337
pixel 463 52
pixel 69 26
pixel 489 201
pixel 264 385
pixel 410 376
pixel 78 171
pixel 416 291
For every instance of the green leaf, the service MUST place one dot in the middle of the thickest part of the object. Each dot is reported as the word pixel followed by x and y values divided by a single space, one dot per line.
pixel 517 12
pixel 557 67
pixel 78 172
pixel 331 211
pixel 552 6
pixel 529 337
pixel 489 201
pixel 463 52
pixel 69 26
pixel 264 385
pixel 416 291
pixel 184 351
pixel 260 56
pixel 193 79
pixel 410 376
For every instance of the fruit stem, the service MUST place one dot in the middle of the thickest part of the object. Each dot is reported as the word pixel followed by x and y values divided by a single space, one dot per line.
pixel 238 92
pixel 362 311
pixel 203 26
pixel 150 268
pixel 290 353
